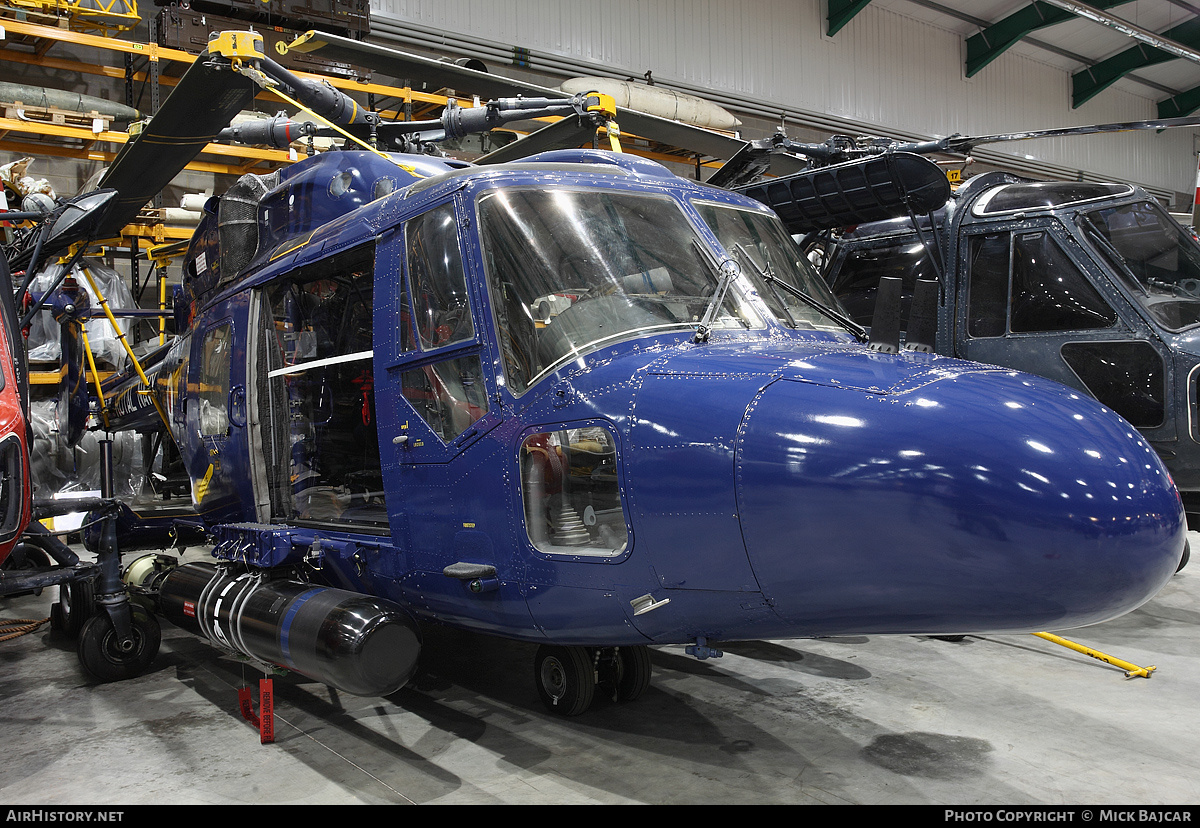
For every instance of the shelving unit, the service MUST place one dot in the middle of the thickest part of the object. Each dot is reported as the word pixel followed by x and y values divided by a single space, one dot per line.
pixel 86 138
pixel 33 44
pixel 91 137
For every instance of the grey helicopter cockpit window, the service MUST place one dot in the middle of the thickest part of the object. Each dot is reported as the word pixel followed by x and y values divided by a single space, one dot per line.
pixel 1158 259
pixel 572 270
pixel 773 255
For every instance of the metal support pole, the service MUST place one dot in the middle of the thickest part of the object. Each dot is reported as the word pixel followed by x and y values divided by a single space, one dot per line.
pixel 110 590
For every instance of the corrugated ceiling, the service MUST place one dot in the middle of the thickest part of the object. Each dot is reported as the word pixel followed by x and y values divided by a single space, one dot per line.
pixel 1093 52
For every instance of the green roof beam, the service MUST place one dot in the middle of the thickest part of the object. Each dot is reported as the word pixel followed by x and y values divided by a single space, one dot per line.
pixel 1096 78
pixel 842 11
pixel 1185 103
pixel 988 44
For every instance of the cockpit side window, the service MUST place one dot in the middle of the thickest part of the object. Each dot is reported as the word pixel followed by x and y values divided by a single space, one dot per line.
pixel 1155 257
pixel 441 310
pixel 448 393
pixel 1049 291
pixel 1028 278
pixel 760 244
pixel 217 351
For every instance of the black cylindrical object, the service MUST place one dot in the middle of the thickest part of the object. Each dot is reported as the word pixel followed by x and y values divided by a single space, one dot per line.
pixel 106 469
pixel 354 642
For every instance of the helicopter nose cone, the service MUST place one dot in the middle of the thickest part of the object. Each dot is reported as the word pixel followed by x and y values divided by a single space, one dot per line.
pixel 968 500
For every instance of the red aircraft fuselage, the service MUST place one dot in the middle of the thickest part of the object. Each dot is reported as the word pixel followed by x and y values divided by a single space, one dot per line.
pixel 15 488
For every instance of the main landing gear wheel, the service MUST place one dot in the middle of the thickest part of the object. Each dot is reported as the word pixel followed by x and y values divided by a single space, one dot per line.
pixel 625 672
pixel 565 678
pixel 100 650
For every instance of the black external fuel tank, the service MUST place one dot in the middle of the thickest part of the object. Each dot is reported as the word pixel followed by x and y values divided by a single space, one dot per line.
pixel 357 643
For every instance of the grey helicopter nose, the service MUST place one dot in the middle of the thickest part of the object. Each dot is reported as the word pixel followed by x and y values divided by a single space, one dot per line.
pixel 1004 502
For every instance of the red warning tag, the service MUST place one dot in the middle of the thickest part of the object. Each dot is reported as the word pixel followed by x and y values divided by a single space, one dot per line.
pixel 266 704
pixel 264 720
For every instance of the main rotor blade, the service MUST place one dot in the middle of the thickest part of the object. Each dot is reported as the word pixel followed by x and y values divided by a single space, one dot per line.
pixel 565 133
pixel 746 166
pixel 201 105
pixel 442 74
pixel 417 69
pixel 873 188
pixel 966 143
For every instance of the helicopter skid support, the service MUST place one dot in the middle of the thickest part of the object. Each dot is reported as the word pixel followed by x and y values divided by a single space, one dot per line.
pixel 1131 670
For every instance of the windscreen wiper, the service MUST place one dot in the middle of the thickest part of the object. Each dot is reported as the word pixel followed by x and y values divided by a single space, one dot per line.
pixel 860 333
pixel 729 272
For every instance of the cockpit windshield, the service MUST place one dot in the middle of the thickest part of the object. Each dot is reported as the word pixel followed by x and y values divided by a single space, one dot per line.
pixel 572 270
pixel 1157 258
pixel 767 256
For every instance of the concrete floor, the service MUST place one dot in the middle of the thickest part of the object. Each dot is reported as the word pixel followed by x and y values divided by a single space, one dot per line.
pixel 995 720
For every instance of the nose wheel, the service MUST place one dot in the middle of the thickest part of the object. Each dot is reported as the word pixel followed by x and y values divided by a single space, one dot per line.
pixel 567 678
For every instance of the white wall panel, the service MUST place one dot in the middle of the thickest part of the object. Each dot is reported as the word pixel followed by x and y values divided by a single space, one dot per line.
pixel 884 72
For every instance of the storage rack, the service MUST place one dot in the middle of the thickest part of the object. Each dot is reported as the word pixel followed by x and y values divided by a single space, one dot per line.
pixel 93 139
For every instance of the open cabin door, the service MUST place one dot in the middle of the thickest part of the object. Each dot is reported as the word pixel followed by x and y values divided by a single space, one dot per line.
pixel 315 391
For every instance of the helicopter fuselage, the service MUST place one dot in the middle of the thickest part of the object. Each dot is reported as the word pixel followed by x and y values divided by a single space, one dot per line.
pixel 526 400
pixel 1103 296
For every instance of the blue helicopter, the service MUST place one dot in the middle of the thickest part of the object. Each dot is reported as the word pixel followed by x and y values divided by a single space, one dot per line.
pixel 576 400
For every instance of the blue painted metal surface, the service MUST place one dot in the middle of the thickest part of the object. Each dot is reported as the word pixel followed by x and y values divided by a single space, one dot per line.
pixel 773 481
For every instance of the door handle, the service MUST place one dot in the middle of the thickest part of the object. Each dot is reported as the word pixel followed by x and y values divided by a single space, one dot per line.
pixel 237 406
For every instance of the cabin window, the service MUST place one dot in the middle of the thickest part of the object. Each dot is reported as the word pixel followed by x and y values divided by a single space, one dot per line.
pixel 572 494
pixel 214 380
pixel 441 313
pixel 1128 377
pixel 988 268
pixel 175 380
pixel 1026 283
pixel 320 393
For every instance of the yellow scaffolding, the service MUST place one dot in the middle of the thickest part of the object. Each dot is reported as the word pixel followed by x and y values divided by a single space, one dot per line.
pixel 106 17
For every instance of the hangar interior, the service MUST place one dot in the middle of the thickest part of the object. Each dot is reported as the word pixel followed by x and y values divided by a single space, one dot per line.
pixel 992 718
